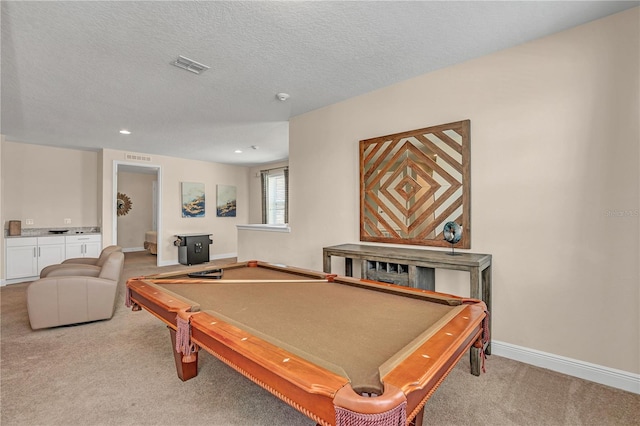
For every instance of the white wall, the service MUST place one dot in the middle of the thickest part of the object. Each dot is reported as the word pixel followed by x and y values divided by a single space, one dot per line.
pixel 555 149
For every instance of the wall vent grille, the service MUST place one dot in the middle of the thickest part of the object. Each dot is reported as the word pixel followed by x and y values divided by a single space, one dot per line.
pixel 137 157
pixel 189 65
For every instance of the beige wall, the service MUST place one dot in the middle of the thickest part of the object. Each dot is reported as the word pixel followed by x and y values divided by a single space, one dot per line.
pixel 49 184
pixel 133 226
pixel 173 171
pixel 554 139
pixel 2 218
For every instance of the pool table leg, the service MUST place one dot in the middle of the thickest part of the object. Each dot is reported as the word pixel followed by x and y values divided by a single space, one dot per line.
pixel 185 370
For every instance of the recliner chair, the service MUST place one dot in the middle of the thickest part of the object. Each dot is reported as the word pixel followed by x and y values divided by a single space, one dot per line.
pixel 85 266
pixel 73 299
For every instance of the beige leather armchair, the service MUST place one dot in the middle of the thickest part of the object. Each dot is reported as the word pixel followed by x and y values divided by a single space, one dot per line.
pixel 81 266
pixel 73 299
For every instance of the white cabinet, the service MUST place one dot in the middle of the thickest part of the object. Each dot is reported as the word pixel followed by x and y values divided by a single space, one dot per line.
pixel 27 256
pixel 83 245
pixel 22 260
pixel 51 251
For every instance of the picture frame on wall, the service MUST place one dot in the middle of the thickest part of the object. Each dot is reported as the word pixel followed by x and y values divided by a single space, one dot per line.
pixel 226 201
pixel 193 199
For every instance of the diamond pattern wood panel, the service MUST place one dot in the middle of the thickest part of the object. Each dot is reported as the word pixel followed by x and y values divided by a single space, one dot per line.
pixel 412 183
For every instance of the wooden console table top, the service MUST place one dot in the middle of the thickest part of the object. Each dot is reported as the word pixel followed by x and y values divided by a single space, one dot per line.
pixel 420 257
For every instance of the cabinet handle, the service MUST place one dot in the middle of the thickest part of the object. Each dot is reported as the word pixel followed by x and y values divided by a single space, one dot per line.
pixel 39 252
pixel 34 252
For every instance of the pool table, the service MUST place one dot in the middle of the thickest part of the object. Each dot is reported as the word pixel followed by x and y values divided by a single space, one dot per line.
pixel 341 350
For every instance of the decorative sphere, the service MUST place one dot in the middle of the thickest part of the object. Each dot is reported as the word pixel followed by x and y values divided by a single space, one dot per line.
pixel 452 232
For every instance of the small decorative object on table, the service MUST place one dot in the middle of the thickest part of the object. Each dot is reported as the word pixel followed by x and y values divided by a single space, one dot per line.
pixel 452 233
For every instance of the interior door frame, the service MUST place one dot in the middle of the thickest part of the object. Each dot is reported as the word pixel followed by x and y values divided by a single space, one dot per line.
pixel 158 210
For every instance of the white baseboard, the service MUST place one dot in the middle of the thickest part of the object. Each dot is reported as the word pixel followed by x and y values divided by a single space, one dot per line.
pixel 595 373
pixel 223 256
pixel 17 280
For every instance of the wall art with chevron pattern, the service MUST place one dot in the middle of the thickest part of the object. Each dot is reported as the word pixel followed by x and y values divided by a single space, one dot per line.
pixel 414 182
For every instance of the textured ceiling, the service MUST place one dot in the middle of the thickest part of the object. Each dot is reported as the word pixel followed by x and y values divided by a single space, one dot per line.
pixel 74 73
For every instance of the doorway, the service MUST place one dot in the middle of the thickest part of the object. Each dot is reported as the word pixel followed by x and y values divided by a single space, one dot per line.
pixel 138 187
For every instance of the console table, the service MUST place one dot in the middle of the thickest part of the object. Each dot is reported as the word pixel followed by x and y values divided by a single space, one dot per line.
pixel 416 268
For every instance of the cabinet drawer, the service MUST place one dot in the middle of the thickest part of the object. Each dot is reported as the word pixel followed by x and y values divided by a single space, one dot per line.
pixel 82 238
pixel 50 240
pixel 18 242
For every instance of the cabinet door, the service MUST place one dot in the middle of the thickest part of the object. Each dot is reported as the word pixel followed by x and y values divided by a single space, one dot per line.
pixel 92 249
pixel 74 250
pixel 50 255
pixel 22 261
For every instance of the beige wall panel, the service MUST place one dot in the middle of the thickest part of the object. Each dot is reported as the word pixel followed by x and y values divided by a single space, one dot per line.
pixel 555 184
pixel 173 172
pixel 49 184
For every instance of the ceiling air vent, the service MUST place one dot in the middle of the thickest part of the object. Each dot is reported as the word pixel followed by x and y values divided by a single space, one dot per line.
pixel 137 157
pixel 189 65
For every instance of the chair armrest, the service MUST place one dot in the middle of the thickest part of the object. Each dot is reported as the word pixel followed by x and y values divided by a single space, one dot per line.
pixel 81 260
pixel 70 269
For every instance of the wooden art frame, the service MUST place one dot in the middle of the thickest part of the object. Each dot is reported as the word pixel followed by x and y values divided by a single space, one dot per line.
pixel 412 183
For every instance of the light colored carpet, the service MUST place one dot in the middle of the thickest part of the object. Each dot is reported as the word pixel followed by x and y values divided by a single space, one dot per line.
pixel 121 372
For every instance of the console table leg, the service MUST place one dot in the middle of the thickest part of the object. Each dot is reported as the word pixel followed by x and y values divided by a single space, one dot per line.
pixel 476 361
pixel 486 297
pixel 326 263
pixel 348 266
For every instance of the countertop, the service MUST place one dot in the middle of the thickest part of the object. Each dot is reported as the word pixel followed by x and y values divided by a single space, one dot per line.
pixel 44 232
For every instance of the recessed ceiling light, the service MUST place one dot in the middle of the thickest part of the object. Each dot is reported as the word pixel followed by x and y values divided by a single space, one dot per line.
pixel 125 132
pixel 238 151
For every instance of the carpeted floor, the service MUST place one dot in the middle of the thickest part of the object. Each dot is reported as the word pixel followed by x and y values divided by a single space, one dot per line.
pixel 121 372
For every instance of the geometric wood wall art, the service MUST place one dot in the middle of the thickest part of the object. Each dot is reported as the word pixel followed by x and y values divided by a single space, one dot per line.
pixel 412 183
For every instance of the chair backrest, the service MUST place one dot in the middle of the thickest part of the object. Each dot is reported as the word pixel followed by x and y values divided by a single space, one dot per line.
pixel 113 266
pixel 105 254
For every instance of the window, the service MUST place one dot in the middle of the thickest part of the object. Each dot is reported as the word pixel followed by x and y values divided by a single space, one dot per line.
pixel 275 196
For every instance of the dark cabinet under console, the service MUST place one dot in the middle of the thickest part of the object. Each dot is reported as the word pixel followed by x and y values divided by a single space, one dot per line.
pixel 193 248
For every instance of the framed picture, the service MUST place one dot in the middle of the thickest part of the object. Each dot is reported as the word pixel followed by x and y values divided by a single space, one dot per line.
pixel 226 201
pixel 193 199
